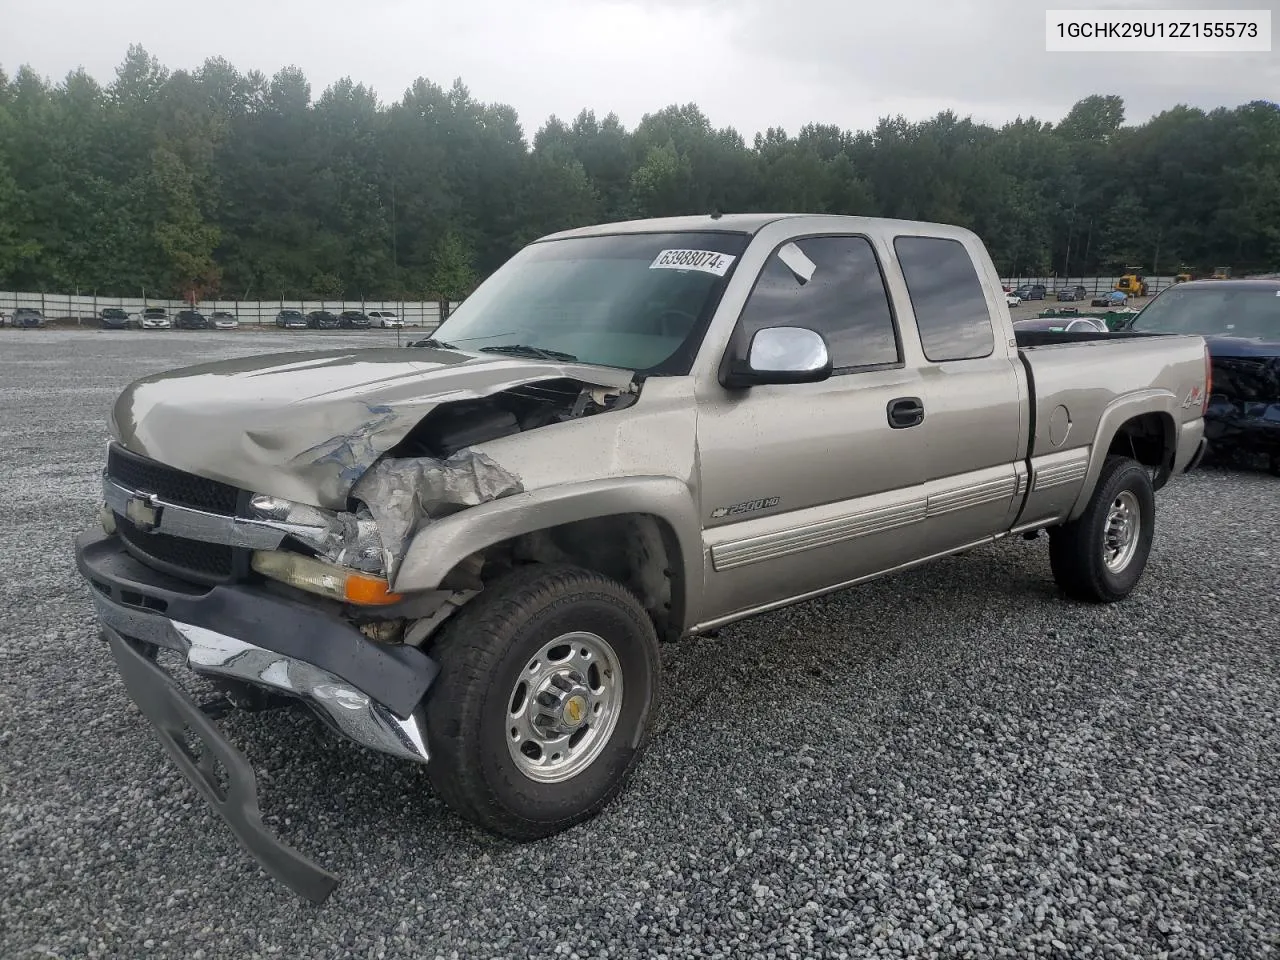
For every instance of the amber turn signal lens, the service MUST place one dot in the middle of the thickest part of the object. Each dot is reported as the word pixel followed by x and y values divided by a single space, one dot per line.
pixel 369 591
pixel 325 579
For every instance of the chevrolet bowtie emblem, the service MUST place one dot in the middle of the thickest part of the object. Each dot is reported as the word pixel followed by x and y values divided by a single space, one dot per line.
pixel 143 511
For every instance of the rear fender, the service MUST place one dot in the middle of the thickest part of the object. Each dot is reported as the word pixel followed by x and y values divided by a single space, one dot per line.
pixel 1114 416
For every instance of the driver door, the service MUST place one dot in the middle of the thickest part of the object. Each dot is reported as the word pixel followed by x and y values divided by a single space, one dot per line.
pixel 805 486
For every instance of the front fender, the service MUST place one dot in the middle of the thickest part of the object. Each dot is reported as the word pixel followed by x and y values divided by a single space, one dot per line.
pixel 1114 415
pixel 443 544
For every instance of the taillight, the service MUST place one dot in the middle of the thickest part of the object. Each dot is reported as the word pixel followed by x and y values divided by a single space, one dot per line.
pixel 1208 381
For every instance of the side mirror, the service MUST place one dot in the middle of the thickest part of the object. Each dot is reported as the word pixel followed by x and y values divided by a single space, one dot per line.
pixel 780 355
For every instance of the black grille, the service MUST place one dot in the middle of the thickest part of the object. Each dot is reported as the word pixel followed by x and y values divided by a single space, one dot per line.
pixel 210 562
pixel 175 486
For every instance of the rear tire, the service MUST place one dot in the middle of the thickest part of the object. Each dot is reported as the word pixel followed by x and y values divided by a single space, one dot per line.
pixel 1099 557
pixel 516 676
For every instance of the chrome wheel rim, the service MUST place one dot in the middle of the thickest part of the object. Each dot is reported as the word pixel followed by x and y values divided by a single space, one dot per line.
pixel 1120 535
pixel 563 707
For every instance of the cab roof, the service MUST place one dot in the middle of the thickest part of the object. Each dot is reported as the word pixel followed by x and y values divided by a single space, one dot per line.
pixel 748 223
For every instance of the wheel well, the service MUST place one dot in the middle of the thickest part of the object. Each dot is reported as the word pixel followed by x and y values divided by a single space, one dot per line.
pixel 638 550
pixel 1150 440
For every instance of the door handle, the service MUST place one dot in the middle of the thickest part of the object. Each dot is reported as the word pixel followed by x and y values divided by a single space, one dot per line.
pixel 905 412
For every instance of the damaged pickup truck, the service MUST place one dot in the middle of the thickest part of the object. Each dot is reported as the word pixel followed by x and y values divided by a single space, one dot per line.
pixel 465 552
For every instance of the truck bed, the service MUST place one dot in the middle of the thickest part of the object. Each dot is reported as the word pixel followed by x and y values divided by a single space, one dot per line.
pixel 1087 385
pixel 1118 365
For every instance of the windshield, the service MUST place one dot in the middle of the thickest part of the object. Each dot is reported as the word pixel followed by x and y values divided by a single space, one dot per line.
pixel 636 301
pixel 1220 311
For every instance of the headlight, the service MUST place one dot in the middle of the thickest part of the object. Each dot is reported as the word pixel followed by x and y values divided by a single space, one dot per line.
pixel 347 539
pixel 325 579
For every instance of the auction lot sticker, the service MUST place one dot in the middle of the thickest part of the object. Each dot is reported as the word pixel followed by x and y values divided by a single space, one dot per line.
pixel 708 261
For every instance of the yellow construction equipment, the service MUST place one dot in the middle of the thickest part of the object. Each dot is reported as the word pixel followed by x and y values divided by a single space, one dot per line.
pixel 1221 273
pixel 1184 274
pixel 1132 283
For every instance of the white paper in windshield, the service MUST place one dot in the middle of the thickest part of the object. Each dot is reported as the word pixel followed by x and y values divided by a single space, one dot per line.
pixel 708 261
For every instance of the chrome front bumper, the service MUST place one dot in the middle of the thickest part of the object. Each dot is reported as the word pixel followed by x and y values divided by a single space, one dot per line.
pixel 246 636
pixel 350 711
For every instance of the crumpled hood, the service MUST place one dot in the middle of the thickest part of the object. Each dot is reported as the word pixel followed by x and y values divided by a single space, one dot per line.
pixel 306 426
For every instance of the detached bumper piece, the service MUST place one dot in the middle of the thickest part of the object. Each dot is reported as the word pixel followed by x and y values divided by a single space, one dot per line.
pixel 178 720
pixel 368 692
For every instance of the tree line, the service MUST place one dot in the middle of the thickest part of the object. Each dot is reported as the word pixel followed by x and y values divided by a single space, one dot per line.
pixel 234 184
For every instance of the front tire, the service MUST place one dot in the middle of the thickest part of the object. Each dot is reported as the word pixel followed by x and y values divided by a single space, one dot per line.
pixel 1099 557
pixel 547 684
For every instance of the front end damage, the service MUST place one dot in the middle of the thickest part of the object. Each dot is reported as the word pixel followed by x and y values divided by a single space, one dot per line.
pixel 274 581
pixel 1243 416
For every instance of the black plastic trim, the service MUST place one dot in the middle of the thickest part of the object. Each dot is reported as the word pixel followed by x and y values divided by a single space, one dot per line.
pixel 177 719
pixel 394 675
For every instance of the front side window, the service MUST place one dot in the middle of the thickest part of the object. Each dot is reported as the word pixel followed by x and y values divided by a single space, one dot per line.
pixel 947 298
pixel 831 285
pixel 636 301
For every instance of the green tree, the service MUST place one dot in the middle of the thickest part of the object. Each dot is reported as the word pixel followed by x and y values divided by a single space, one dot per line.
pixel 246 185
pixel 452 275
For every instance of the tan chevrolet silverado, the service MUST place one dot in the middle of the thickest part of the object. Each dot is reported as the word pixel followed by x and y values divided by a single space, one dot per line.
pixel 465 552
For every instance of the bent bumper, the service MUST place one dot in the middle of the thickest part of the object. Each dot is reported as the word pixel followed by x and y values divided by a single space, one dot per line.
pixel 178 721
pixel 368 692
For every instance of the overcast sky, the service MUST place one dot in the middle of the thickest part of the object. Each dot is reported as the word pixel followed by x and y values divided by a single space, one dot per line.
pixel 749 64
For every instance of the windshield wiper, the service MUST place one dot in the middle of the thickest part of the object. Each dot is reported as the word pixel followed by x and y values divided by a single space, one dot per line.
pixel 525 350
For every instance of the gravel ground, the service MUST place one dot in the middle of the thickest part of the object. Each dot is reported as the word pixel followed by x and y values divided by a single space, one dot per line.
pixel 952 761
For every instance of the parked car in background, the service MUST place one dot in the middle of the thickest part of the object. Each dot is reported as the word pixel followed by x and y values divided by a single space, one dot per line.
pixel 323 320
pixel 1065 324
pixel 1077 292
pixel 191 320
pixel 291 319
pixel 1012 299
pixel 1030 291
pixel 114 318
pixel 1240 322
pixel 385 318
pixel 354 319
pixel 28 317
pixel 155 318
pixel 221 320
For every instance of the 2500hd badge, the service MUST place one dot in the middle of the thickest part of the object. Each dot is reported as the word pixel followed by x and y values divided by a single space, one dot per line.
pixel 747 507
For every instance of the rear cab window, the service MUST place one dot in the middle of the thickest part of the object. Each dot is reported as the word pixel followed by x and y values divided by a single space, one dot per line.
pixel 947 298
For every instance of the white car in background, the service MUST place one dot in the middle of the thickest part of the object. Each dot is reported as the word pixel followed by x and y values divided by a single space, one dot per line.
pixel 156 318
pixel 1012 299
pixel 385 318
pixel 222 320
